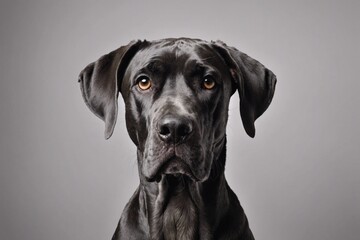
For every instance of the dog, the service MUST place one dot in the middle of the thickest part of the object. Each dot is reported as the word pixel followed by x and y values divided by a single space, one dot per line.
pixel 176 93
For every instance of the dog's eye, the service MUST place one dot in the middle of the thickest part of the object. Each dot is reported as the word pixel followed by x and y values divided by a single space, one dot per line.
pixel 208 83
pixel 144 83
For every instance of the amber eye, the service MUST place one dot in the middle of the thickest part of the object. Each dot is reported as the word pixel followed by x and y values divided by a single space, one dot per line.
pixel 208 83
pixel 144 83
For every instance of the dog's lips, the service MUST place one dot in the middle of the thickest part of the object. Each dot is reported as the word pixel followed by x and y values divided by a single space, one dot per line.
pixel 174 167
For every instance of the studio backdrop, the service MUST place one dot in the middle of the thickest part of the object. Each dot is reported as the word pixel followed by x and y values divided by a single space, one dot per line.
pixel 297 179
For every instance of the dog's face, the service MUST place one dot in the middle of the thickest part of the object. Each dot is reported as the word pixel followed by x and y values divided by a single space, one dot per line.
pixel 176 93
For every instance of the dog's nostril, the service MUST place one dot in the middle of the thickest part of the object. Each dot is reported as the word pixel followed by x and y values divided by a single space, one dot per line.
pixel 164 130
pixel 184 130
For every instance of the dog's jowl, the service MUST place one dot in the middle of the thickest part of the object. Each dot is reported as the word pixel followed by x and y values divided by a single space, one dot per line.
pixel 176 94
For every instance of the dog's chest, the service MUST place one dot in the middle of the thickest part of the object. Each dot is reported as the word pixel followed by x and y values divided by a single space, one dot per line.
pixel 180 218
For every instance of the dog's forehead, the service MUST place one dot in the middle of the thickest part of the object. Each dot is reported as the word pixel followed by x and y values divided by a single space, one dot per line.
pixel 175 50
pixel 176 44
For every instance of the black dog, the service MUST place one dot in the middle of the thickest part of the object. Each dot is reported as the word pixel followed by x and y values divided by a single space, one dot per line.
pixel 176 93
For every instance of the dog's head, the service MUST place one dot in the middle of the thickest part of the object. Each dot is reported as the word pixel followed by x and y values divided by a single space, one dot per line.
pixel 176 93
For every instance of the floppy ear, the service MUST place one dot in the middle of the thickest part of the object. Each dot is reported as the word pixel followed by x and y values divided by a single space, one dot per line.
pixel 100 81
pixel 254 82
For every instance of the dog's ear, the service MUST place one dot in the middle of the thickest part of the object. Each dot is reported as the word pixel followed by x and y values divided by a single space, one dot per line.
pixel 254 82
pixel 100 81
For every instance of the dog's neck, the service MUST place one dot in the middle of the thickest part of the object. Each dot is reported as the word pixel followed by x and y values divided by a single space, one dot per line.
pixel 172 205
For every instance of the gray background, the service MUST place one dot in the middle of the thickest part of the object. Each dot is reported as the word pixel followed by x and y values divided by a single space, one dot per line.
pixel 298 179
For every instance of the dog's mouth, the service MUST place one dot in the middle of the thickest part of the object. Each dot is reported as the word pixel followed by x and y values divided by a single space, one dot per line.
pixel 174 168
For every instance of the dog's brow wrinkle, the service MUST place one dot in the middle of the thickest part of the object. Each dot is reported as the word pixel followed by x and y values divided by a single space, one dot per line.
pixel 155 65
pixel 207 58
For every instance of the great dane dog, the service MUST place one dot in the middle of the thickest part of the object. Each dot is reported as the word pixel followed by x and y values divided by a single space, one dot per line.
pixel 176 94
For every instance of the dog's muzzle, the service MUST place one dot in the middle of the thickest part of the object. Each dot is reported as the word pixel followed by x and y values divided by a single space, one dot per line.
pixel 173 132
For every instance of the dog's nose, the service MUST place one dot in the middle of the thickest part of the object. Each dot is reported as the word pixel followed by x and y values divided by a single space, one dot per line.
pixel 174 129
